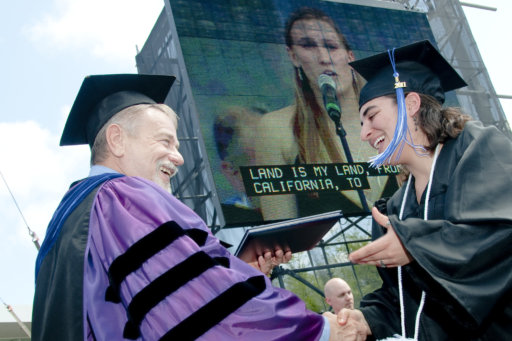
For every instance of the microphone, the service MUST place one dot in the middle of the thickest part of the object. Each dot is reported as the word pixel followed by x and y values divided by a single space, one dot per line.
pixel 328 88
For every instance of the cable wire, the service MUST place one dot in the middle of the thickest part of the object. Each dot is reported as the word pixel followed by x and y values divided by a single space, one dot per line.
pixel 32 234
pixel 20 323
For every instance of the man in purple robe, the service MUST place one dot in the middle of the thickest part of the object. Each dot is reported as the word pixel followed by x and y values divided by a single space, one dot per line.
pixel 124 259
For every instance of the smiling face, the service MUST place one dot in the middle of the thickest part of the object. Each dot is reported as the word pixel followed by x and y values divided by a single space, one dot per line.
pixel 151 149
pixel 378 124
pixel 317 49
pixel 378 121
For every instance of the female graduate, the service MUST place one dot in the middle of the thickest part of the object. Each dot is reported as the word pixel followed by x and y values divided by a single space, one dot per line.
pixel 443 244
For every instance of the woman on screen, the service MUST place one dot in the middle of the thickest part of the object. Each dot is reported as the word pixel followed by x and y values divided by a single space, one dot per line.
pixel 303 133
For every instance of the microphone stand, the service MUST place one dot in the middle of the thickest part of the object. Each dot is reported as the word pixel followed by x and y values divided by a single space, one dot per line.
pixel 340 131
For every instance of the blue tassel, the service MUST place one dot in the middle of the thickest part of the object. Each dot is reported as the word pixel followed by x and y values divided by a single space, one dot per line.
pixel 400 135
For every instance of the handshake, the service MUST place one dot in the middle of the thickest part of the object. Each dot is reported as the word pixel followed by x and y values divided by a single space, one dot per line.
pixel 348 325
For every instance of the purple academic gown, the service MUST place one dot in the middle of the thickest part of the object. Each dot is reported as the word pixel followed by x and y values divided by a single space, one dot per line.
pixel 210 305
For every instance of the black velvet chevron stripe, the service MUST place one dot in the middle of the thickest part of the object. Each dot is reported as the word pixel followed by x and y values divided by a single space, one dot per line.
pixel 216 310
pixel 144 249
pixel 165 285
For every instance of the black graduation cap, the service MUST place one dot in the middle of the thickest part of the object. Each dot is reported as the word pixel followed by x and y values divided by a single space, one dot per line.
pixel 419 65
pixel 102 96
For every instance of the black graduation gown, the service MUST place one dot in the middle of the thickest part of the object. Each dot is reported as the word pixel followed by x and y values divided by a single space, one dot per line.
pixel 57 314
pixel 462 253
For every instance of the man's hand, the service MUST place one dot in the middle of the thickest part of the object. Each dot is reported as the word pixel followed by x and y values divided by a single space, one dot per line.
pixel 266 262
pixel 354 328
pixel 387 251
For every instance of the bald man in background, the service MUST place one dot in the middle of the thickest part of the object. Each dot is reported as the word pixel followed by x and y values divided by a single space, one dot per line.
pixel 338 294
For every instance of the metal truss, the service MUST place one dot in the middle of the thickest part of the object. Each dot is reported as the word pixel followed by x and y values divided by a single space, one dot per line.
pixel 455 41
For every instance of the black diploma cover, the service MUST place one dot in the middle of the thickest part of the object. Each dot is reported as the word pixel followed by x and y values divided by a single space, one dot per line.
pixel 297 235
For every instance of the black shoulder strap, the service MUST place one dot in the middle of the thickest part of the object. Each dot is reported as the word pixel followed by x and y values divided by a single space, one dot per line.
pixel 165 285
pixel 144 249
pixel 216 310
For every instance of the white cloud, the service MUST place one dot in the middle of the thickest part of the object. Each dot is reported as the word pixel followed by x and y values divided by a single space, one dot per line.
pixel 38 173
pixel 109 29
pixel 37 170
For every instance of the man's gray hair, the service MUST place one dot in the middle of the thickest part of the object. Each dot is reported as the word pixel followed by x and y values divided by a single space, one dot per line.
pixel 128 119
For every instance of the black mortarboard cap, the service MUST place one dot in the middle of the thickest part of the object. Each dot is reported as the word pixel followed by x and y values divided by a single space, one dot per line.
pixel 102 96
pixel 419 65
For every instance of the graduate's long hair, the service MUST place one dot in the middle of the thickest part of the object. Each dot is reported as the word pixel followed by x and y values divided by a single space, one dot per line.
pixel 313 129
pixel 439 123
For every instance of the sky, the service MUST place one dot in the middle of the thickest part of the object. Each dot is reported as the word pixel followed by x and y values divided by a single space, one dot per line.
pixel 48 47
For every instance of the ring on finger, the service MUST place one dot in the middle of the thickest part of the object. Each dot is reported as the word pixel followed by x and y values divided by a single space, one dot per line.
pixel 382 264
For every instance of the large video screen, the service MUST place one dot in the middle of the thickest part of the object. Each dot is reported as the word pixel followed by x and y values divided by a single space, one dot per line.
pixel 254 68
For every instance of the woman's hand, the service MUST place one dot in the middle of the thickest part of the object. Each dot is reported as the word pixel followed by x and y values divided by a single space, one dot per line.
pixel 387 251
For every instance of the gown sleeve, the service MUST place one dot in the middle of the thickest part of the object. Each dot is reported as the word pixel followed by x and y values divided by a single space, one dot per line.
pixel 154 270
